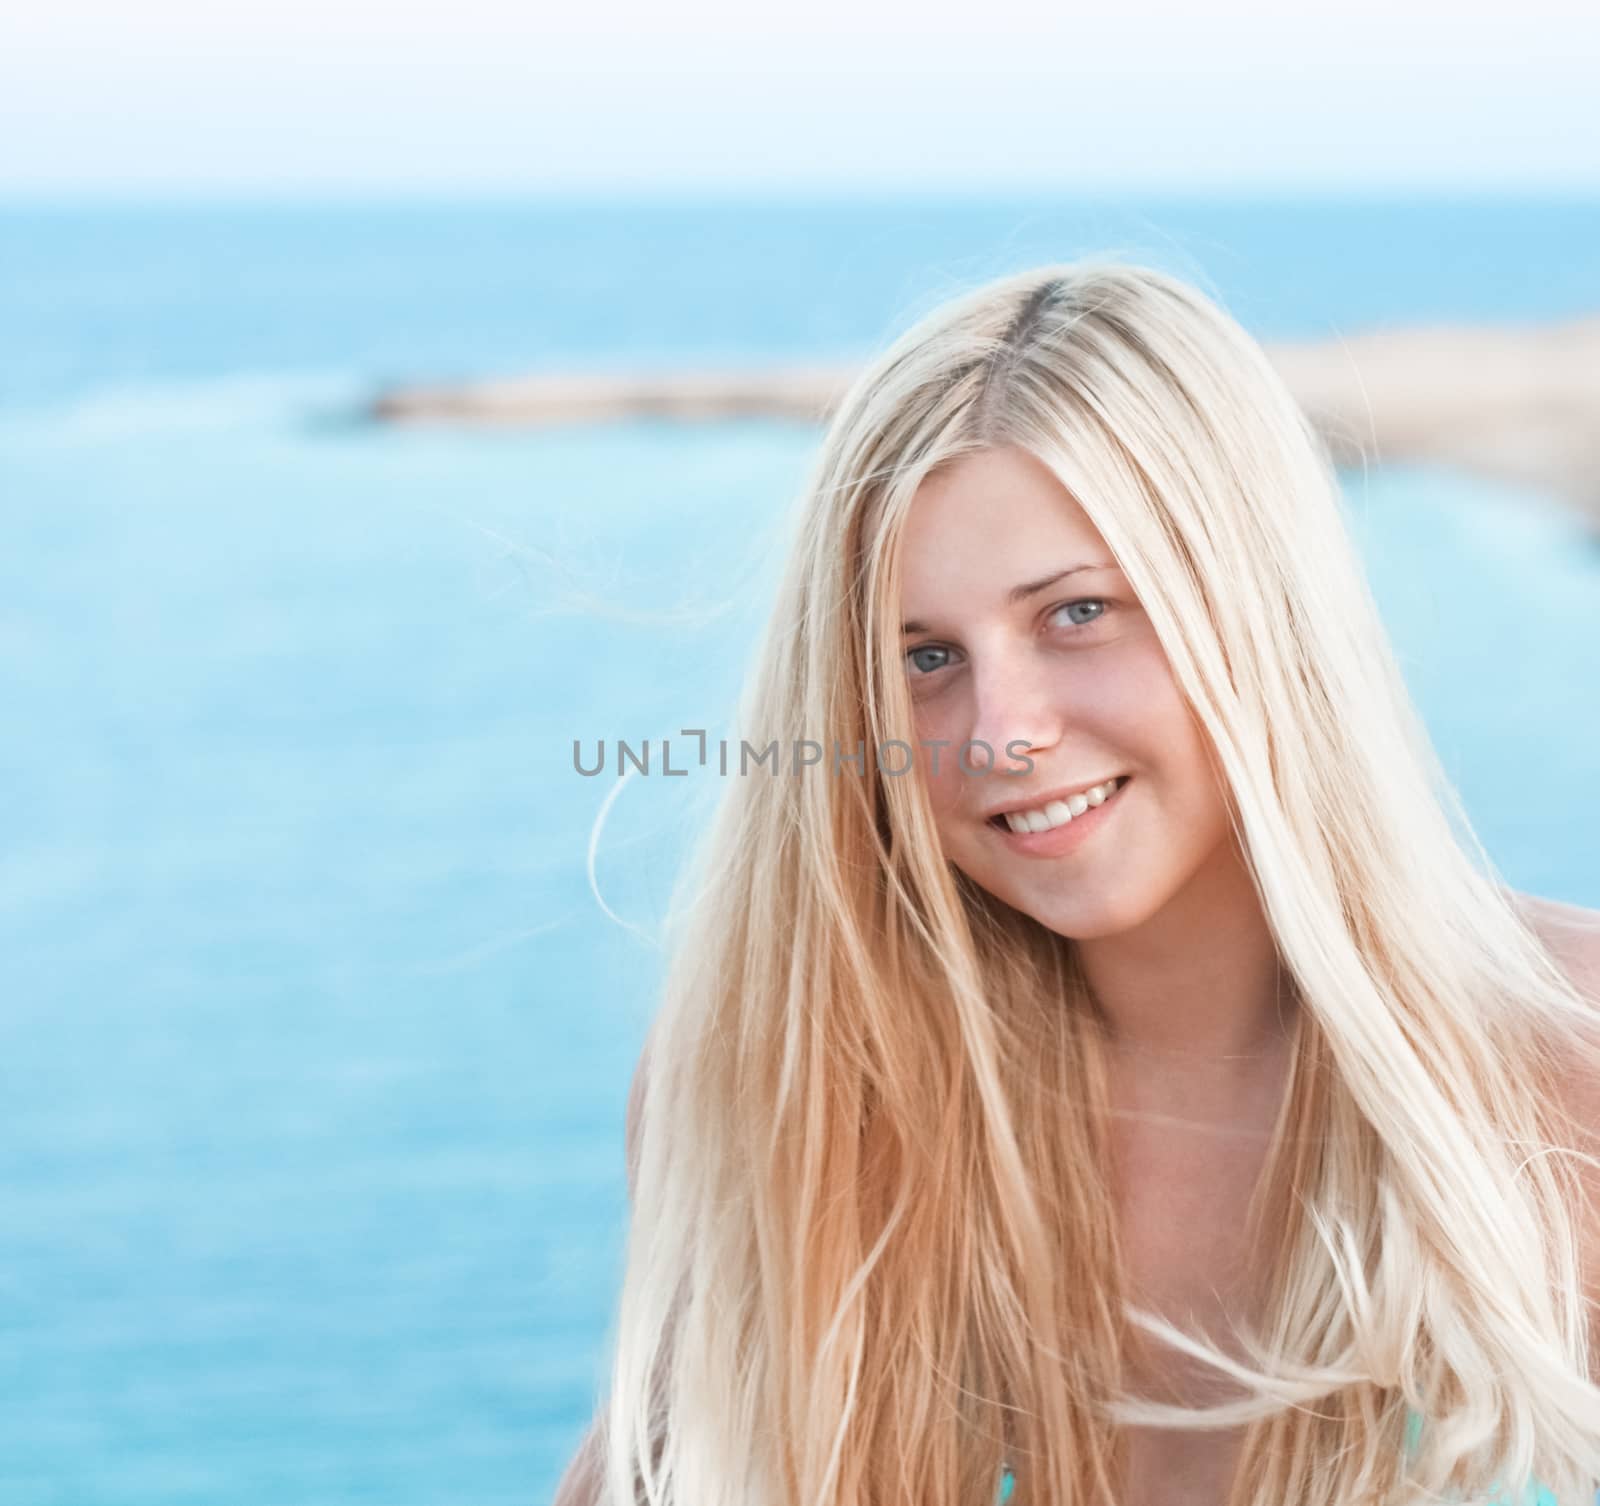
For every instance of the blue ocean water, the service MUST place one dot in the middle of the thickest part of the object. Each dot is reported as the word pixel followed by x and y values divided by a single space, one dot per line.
pixel 314 1044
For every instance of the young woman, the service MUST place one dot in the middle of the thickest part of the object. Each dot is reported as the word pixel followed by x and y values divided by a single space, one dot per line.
pixel 1112 1073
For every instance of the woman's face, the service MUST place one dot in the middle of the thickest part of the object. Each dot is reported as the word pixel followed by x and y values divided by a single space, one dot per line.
pixel 1021 631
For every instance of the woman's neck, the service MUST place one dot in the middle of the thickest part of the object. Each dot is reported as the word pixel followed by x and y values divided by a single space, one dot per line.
pixel 1199 988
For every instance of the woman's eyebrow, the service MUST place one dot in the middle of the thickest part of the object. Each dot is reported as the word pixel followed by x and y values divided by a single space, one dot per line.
pixel 1018 594
pixel 1032 588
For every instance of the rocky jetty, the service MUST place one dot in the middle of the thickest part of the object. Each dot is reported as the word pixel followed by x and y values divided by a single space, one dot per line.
pixel 1519 403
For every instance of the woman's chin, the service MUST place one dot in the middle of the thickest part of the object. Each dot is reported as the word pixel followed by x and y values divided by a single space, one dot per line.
pixel 1087 917
pixel 1088 922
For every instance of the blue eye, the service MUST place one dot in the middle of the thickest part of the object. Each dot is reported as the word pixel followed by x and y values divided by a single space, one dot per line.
pixel 1088 601
pixel 929 658
pixel 921 667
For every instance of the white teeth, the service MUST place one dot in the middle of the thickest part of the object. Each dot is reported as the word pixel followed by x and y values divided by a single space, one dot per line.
pixel 1059 812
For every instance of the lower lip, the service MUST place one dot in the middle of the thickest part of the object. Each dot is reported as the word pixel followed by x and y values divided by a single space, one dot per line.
pixel 1065 838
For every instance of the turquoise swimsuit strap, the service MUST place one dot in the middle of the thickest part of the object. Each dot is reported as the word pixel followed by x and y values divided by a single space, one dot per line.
pixel 1535 1495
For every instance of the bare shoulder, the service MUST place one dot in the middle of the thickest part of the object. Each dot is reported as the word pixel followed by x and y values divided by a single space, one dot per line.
pixel 1571 933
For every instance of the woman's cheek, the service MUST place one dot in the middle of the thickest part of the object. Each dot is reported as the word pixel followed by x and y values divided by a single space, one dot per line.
pixel 1133 701
pixel 937 742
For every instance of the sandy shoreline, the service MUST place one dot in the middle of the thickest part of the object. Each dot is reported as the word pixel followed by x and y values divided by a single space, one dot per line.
pixel 1519 403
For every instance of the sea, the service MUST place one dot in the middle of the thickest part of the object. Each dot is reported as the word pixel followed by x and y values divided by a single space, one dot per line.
pixel 322 971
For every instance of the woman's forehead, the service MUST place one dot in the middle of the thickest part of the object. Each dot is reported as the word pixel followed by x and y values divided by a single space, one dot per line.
pixel 984 520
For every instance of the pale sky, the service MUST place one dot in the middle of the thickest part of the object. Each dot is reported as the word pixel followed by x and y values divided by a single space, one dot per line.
pixel 197 97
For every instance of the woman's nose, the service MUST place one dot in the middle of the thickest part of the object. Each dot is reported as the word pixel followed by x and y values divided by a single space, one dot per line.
pixel 1017 700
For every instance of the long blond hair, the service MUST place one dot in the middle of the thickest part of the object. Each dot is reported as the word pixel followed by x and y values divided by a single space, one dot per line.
pixel 873 1252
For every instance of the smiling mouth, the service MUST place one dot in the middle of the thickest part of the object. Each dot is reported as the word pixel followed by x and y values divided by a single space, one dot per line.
pixel 1059 812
